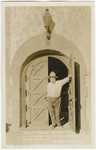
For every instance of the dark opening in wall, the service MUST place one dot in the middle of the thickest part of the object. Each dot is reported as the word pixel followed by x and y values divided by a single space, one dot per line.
pixel 61 71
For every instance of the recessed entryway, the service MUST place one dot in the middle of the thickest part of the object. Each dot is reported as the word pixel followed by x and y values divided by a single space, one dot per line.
pixel 33 87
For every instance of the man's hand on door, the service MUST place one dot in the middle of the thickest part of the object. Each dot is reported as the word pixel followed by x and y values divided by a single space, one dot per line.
pixel 70 77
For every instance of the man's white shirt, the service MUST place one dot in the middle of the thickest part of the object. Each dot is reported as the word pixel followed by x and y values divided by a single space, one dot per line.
pixel 54 89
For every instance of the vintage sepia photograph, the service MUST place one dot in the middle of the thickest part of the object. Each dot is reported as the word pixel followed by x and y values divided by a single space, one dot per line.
pixel 47 65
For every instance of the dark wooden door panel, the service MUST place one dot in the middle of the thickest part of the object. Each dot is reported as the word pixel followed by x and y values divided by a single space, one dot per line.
pixel 77 95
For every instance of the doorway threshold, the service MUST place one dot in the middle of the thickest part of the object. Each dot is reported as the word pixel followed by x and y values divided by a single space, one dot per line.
pixel 64 127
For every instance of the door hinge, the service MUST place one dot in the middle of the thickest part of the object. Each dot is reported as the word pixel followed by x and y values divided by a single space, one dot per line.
pixel 26 123
pixel 26 107
pixel 26 93
pixel 20 91
pixel 80 106
pixel 25 78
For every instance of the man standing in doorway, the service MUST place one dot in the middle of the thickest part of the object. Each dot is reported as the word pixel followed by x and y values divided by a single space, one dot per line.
pixel 54 97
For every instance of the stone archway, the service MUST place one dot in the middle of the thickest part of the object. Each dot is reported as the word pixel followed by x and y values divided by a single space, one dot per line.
pixel 58 46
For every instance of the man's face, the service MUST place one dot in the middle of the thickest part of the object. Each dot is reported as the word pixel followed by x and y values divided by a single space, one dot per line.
pixel 52 80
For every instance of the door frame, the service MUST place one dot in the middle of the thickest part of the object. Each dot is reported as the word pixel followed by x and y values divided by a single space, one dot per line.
pixel 29 50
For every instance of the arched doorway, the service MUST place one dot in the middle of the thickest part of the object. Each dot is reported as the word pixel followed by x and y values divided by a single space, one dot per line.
pixel 36 62
pixel 34 79
pixel 30 50
pixel 34 86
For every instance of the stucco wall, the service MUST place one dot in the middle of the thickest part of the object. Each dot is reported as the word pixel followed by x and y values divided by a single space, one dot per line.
pixel 73 23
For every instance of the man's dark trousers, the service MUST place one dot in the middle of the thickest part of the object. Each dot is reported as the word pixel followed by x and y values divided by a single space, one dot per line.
pixel 54 109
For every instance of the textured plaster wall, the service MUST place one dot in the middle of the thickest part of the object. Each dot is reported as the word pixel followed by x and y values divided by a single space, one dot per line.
pixel 74 23
pixel 7 57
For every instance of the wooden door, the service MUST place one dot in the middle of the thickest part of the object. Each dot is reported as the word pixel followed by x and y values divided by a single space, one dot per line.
pixel 71 95
pixel 35 86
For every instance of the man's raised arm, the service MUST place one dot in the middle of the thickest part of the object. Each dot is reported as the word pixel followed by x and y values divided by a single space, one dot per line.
pixel 65 80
